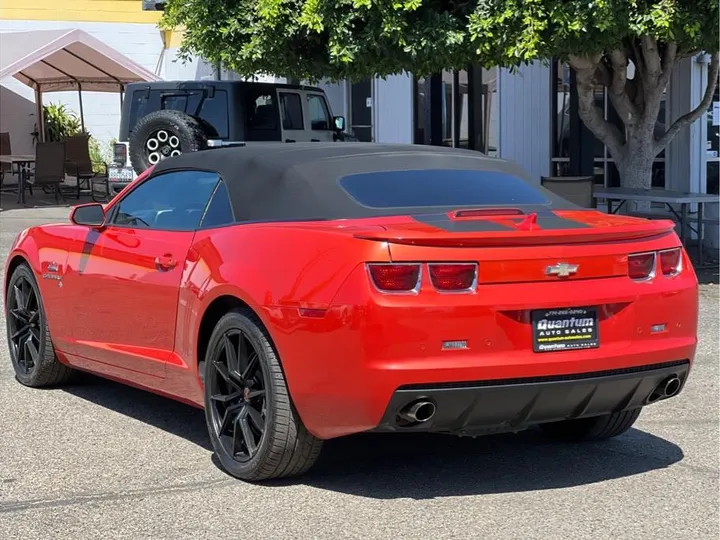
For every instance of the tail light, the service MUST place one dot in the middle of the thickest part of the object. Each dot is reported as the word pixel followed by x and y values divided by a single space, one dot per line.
pixel 395 277
pixel 671 261
pixel 119 154
pixel 453 277
pixel 641 265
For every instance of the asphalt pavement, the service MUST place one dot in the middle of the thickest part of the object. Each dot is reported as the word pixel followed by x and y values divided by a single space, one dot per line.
pixel 100 460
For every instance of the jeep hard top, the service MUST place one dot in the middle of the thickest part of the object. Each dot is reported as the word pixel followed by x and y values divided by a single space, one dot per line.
pixel 164 119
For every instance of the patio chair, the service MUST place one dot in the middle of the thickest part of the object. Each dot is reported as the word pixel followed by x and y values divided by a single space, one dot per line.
pixel 576 189
pixel 80 165
pixel 49 166
pixel 5 150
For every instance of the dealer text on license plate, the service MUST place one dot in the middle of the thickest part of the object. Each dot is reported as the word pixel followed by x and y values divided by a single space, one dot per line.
pixel 565 329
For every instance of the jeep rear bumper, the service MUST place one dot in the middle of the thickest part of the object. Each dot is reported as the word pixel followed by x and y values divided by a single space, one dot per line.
pixel 476 408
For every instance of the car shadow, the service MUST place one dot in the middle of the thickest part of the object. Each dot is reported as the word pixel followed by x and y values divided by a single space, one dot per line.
pixel 426 466
pixel 159 412
pixel 418 466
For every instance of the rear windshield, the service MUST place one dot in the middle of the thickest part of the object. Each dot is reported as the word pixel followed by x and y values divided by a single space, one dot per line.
pixel 440 187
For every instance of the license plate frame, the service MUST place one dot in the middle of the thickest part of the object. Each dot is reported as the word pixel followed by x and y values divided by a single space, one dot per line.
pixel 565 329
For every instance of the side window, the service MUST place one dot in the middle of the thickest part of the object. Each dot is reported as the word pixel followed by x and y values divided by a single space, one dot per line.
pixel 219 211
pixel 174 102
pixel 318 112
pixel 291 110
pixel 174 201
pixel 214 111
pixel 261 112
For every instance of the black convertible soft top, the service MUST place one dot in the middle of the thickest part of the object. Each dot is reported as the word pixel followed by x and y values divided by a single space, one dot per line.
pixel 319 181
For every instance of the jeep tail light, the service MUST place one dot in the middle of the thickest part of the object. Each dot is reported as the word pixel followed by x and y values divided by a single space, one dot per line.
pixel 119 153
pixel 671 261
pixel 453 276
pixel 403 277
pixel 641 265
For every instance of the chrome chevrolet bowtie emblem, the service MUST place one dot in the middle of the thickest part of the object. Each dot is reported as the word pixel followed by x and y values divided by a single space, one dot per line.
pixel 561 269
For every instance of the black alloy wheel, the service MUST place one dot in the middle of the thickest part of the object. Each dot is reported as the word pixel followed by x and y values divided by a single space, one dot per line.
pixel 31 348
pixel 24 320
pixel 238 396
pixel 254 428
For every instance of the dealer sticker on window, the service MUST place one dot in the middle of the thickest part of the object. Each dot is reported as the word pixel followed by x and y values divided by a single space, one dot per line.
pixel 565 329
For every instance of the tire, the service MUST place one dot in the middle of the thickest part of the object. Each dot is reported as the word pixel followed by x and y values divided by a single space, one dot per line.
pixel 46 369
pixel 189 132
pixel 595 428
pixel 285 448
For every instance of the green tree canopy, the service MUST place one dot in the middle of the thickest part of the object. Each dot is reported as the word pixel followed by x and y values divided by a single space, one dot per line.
pixel 354 39
pixel 336 39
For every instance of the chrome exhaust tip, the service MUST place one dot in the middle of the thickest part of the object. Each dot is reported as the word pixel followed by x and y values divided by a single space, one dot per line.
pixel 671 386
pixel 666 389
pixel 418 411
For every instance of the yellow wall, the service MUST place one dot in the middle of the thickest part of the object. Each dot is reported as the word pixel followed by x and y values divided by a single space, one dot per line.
pixel 119 11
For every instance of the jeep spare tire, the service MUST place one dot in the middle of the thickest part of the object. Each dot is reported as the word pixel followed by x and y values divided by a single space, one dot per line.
pixel 163 134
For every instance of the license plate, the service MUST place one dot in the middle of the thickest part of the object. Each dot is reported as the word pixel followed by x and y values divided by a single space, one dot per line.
pixel 565 329
pixel 124 174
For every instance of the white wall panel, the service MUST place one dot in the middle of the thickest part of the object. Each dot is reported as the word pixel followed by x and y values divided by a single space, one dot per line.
pixel 392 114
pixel 524 120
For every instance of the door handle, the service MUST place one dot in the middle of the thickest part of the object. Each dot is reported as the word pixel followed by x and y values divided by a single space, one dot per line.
pixel 165 263
pixel 289 140
pixel 314 140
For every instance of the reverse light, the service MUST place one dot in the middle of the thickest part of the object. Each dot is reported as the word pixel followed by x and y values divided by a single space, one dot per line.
pixel 397 278
pixel 671 261
pixel 453 277
pixel 641 266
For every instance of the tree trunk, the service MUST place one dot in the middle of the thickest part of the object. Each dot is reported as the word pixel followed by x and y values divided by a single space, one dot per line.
pixel 636 172
pixel 637 102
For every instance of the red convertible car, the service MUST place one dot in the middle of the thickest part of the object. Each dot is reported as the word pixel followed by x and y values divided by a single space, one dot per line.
pixel 317 290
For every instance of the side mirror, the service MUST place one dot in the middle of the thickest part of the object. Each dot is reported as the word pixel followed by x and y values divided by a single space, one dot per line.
pixel 339 123
pixel 89 215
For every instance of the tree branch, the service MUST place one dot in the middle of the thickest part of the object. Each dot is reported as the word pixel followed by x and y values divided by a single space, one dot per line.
pixel 651 56
pixel 637 57
pixel 618 88
pixel 668 62
pixel 585 68
pixel 693 115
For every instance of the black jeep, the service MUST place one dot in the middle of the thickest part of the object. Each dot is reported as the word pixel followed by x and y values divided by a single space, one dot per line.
pixel 167 118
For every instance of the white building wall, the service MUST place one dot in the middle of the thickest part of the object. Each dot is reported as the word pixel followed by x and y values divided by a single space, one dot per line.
pixel 524 119
pixel 393 109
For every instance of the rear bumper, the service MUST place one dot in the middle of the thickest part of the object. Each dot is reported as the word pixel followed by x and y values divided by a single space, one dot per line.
pixel 472 408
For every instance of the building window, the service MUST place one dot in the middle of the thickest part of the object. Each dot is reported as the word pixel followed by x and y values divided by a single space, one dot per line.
pixel 712 149
pixel 457 109
pixel 490 108
pixel 565 127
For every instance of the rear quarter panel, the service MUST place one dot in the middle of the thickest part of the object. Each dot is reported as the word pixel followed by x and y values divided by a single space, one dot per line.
pixel 274 269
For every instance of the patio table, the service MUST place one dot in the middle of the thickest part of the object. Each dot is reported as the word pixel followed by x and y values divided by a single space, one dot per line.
pixel 669 198
pixel 23 163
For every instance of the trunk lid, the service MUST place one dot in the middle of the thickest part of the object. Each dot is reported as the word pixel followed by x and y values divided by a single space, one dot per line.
pixel 514 247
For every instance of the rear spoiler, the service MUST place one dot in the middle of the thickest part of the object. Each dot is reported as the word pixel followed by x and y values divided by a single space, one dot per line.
pixel 537 237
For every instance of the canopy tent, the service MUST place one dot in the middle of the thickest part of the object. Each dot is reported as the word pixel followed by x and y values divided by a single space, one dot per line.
pixel 62 60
